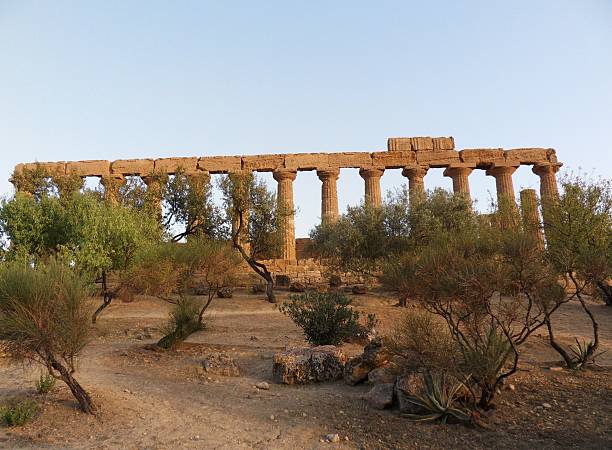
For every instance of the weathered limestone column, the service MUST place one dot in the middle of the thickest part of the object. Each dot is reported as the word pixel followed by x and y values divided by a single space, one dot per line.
pixel 503 181
pixel 548 180
pixel 506 202
pixel 68 184
pixel 154 193
pixel 372 176
pixel 284 196
pixel 416 184
pixel 329 195
pixel 112 184
pixel 461 184
pixel 531 216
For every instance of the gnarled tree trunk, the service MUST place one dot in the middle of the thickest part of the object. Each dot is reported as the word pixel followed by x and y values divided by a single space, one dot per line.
pixel 85 402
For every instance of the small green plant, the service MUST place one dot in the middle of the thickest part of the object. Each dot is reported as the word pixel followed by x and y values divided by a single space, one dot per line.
pixel 45 383
pixel 440 400
pixel 19 413
pixel 327 318
pixel 182 323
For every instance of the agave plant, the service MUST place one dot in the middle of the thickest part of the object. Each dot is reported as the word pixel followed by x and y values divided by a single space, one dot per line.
pixel 439 400
pixel 583 353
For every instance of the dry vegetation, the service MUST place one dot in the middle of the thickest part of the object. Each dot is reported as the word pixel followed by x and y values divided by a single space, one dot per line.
pixel 163 400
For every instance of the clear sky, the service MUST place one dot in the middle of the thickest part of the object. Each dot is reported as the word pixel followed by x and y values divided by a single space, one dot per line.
pixel 132 79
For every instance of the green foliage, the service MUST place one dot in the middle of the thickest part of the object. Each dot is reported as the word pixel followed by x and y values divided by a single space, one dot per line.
pixel 579 232
pixel 44 383
pixel 326 318
pixel 19 413
pixel 188 204
pixel 44 317
pixel 440 400
pixel 365 239
pixel 249 196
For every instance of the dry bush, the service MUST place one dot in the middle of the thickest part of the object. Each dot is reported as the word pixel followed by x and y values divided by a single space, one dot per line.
pixel 421 339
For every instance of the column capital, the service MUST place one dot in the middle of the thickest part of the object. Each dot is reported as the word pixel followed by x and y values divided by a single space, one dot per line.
pixel 371 172
pixel 458 169
pixel 542 169
pixel 328 174
pixel 498 170
pixel 284 175
pixel 415 171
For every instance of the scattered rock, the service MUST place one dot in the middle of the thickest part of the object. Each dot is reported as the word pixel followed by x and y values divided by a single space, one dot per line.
pixel 303 365
pixel 296 286
pixel 380 375
pixel 555 369
pixel 358 368
pixel 546 405
pixel 408 385
pixel 225 292
pixel 359 289
pixel 332 438
pixel 380 396
pixel 221 364
pixel 263 386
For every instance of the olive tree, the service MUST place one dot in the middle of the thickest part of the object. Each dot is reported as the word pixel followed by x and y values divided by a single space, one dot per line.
pixel 256 217
pixel 579 244
pixel 44 317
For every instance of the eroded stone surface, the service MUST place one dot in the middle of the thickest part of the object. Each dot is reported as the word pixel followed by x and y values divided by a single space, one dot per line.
pixel 304 365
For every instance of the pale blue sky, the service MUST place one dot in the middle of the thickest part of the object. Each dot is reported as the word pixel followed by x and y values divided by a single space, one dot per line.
pixel 130 79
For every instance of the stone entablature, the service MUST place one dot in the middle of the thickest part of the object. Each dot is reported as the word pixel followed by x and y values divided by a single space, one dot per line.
pixel 414 155
pixel 401 153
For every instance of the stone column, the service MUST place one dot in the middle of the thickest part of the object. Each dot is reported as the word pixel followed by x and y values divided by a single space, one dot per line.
pixel 154 193
pixel 531 216
pixel 548 180
pixel 506 203
pixel 416 184
pixel 371 177
pixel 112 184
pixel 460 174
pixel 68 184
pixel 329 195
pixel 284 196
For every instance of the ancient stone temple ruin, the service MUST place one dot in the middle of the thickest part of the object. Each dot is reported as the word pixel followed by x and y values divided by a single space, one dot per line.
pixel 414 155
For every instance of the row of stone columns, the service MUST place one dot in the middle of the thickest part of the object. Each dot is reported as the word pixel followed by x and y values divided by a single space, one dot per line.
pixel 371 176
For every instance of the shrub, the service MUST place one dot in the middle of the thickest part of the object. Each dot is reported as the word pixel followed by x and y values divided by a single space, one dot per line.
pixel 45 383
pixel 326 318
pixel 44 317
pixel 182 323
pixel 423 341
pixel 19 413
pixel 440 400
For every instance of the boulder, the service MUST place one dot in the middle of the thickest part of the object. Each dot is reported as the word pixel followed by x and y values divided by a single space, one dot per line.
pixel 304 365
pixel 385 374
pixel 358 368
pixel 380 396
pixel 220 364
pixel 296 286
pixel 225 292
pixel 359 289
pixel 411 384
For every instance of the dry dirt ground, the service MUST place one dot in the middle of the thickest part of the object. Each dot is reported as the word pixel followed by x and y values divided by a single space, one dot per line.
pixel 152 400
